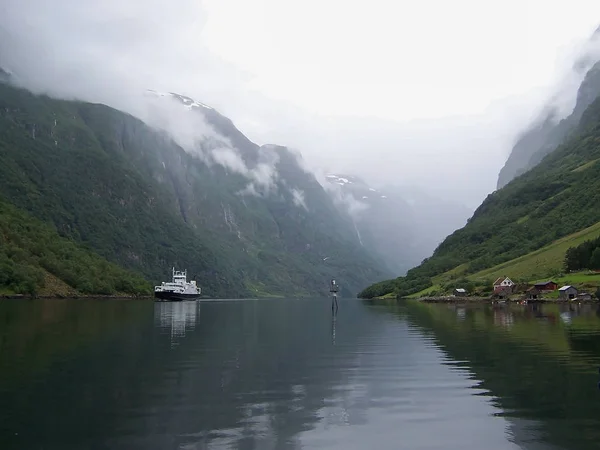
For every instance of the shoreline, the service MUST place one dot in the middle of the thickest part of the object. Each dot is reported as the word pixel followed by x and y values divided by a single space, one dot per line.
pixel 448 299
pixel 77 297
pixel 115 297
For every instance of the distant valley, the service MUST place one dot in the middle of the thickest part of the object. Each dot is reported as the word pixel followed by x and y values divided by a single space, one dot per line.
pixel 402 225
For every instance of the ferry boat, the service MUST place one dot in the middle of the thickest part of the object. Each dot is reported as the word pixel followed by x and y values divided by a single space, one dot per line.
pixel 178 289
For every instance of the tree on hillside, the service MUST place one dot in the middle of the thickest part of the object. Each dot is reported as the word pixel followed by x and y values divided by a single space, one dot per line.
pixel 584 256
pixel 595 259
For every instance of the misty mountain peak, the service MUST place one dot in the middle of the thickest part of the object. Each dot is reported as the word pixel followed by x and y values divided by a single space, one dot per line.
pixel 545 134
pixel 187 101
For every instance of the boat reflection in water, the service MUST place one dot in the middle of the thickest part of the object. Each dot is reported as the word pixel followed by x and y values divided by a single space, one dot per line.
pixel 176 318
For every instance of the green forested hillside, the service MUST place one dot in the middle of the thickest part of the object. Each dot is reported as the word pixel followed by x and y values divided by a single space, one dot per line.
pixel 32 255
pixel 129 193
pixel 556 198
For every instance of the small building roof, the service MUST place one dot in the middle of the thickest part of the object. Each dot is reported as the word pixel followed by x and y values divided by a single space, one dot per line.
pixel 544 283
pixel 460 290
pixel 501 279
pixel 567 287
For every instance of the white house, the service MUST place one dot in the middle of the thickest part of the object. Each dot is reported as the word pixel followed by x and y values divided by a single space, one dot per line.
pixel 503 284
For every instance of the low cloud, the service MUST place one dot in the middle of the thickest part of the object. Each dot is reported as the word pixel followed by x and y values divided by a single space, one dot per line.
pixel 342 117
pixel 263 176
pixel 194 134
pixel 563 97
pixel 230 159
pixel 188 128
pixel 299 198
pixel 250 189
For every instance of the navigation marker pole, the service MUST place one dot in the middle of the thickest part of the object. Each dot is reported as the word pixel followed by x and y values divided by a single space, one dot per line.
pixel 333 289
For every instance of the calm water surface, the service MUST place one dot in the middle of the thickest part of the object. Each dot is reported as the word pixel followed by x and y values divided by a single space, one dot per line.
pixel 286 374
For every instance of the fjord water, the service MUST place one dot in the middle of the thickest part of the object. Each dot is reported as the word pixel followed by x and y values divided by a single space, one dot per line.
pixel 287 374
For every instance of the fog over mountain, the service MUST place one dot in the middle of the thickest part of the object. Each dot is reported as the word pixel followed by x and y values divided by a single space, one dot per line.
pixel 555 121
pixel 402 225
pixel 390 93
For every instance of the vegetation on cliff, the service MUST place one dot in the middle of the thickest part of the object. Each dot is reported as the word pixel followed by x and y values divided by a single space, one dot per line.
pixel 33 256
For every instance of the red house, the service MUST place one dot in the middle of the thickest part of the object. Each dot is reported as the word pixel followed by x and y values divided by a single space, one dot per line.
pixel 546 286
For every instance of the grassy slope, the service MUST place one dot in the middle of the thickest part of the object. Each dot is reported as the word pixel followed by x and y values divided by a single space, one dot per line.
pixel 539 265
pixel 544 262
pixel 556 199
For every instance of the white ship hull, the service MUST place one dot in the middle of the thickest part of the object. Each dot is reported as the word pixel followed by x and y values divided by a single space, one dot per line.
pixel 174 296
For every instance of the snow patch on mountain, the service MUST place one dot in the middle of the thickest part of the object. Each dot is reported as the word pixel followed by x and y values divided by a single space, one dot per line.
pixel 188 102
pixel 338 180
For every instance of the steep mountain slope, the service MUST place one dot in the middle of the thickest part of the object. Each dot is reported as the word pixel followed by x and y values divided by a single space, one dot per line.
pixel 244 220
pixel 554 199
pixel 548 132
pixel 401 225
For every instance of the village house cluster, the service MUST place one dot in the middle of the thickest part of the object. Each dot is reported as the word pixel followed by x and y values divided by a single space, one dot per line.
pixel 504 287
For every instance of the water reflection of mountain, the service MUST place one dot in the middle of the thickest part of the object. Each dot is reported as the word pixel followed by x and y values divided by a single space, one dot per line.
pixel 268 374
pixel 531 361
pixel 254 375
pixel 176 318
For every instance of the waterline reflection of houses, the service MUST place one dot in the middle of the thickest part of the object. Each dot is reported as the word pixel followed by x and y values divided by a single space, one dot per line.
pixel 503 317
pixel 566 317
pixel 176 317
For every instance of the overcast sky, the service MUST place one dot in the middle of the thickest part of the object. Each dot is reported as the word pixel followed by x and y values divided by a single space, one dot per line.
pixel 427 92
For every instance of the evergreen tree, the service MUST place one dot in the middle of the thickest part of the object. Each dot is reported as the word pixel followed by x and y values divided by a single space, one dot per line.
pixel 595 259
